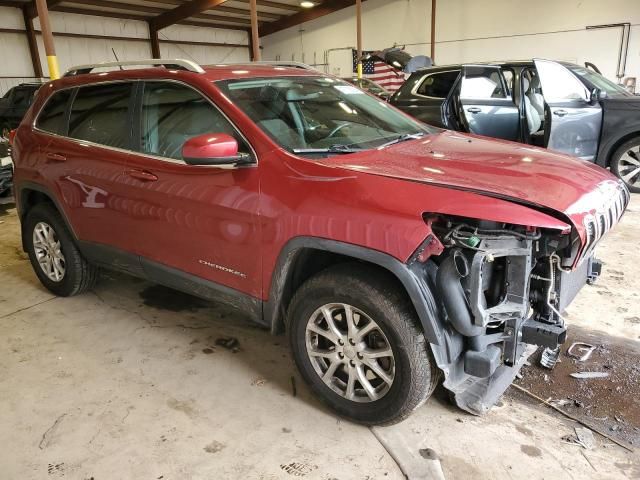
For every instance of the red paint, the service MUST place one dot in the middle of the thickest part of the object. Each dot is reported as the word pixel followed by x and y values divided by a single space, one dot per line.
pixel 206 146
pixel 191 217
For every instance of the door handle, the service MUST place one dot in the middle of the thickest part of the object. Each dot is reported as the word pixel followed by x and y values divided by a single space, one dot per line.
pixel 474 110
pixel 142 175
pixel 56 157
pixel 560 113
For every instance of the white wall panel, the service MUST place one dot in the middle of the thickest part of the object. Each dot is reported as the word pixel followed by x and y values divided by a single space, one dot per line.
pixel 524 29
pixel 16 61
pixel 11 18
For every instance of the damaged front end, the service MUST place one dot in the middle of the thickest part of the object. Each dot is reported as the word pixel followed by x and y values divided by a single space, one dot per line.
pixel 501 290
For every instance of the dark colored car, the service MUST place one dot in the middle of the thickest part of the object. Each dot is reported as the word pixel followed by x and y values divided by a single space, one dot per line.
pixel 558 105
pixel 14 104
pixel 369 86
pixel 392 253
pixel 6 172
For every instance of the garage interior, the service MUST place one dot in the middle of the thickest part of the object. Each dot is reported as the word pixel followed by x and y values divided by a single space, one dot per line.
pixel 135 380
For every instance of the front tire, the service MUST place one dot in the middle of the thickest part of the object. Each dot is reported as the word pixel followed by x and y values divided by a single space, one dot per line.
pixel 56 260
pixel 355 338
pixel 625 163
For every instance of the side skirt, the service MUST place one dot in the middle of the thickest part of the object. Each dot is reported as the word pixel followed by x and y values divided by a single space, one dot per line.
pixel 115 259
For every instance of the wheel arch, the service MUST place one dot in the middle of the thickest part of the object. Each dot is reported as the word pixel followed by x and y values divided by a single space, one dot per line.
pixel 610 149
pixel 302 257
pixel 29 195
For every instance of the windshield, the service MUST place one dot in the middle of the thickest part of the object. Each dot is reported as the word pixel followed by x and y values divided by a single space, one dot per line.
pixel 600 82
pixel 315 113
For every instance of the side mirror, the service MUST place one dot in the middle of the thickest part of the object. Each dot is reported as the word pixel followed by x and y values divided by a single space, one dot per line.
pixel 596 96
pixel 213 149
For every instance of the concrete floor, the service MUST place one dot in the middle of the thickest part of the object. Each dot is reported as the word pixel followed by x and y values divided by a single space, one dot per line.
pixel 127 382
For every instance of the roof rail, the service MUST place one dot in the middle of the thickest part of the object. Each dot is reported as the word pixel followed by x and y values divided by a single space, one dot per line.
pixel 286 63
pixel 172 64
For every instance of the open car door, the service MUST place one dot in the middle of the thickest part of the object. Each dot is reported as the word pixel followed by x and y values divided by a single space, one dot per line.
pixel 573 116
pixel 483 103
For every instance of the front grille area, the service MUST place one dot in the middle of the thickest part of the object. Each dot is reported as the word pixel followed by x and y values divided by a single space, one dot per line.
pixel 598 224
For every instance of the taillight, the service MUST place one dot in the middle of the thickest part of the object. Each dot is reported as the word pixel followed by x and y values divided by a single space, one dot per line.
pixel 12 135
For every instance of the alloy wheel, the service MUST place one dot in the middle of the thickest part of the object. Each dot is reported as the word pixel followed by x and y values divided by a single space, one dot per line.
pixel 350 353
pixel 46 246
pixel 629 166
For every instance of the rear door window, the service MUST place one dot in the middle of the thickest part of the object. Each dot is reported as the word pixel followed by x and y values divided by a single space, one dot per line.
pixel 52 117
pixel 483 83
pixel 100 114
pixel 173 113
pixel 438 85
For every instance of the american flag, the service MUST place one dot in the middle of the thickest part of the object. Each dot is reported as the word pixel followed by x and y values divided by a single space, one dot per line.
pixel 378 71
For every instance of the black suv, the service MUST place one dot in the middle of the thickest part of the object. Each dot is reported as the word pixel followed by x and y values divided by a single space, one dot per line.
pixel 14 104
pixel 558 105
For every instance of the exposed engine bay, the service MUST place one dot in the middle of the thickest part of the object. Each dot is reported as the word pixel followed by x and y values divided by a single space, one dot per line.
pixel 501 290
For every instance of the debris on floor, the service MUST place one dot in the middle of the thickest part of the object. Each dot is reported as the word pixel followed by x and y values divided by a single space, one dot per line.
pixel 230 343
pixel 602 391
pixel 583 437
pixel 583 351
pixel 589 374
pixel 549 357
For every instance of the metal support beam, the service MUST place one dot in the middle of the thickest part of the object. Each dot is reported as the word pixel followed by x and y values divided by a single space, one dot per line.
pixel 433 30
pixel 329 6
pixel 186 10
pixel 32 11
pixel 47 37
pixel 359 35
pixel 33 44
pixel 155 42
pixel 255 36
pixel 267 3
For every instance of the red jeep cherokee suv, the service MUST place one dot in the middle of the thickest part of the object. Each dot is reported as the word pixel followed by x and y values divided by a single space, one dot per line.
pixel 392 253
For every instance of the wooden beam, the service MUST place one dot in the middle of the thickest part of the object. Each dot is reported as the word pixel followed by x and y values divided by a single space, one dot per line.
pixel 145 9
pixel 146 18
pixel 155 42
pixel 224 9
pixel 359 35
pixel 270 4
pixel 186 10
pixel 32 11
pixel 318 11
pixel 255 35
pixel 33 43
pixel 129 39
pixel 433 30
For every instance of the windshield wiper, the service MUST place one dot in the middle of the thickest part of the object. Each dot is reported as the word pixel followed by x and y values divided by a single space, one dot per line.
pixel 403 138
pixel 331 149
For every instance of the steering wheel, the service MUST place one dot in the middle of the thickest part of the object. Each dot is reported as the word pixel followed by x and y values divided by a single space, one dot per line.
pixel 337 129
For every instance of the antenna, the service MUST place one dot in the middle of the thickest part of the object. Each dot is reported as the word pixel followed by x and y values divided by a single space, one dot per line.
pixel 116 55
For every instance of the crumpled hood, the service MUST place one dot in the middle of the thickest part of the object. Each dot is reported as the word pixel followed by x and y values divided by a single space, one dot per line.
pixel 518 172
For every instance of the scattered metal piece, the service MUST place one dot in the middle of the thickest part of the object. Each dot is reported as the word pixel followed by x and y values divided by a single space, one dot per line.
pixel 585 437
pixel 560 402
pixel 294 390
pixel 230 343
pixel 583 351
pixel 549 357
pixel 568 415
pixel 587 375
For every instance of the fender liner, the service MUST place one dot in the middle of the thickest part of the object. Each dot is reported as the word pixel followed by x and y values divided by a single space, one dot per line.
pixel 412 276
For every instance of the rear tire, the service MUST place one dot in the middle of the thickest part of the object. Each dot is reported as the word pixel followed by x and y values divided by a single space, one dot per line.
pixel 56 260
pixel 625 163
pixel 394 346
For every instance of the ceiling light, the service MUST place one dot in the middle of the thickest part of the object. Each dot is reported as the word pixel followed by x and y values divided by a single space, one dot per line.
pixel 306 4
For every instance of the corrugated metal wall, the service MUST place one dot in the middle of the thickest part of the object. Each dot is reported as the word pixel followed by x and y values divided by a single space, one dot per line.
pixel 16 62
